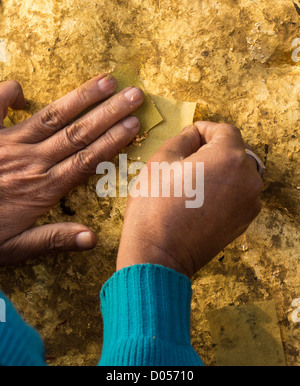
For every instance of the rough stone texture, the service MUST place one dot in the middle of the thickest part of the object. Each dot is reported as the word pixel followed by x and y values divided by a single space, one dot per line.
pixel 235 58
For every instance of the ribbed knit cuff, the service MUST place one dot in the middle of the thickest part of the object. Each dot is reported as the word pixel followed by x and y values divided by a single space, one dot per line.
pixel 20 345
pixel 146 314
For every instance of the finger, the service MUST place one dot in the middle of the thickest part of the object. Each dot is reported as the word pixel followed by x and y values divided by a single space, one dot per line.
pixel 47 238
pixel 76 169
pixel 59 113
pixel 87 129
pixel 179 147
pixel 11 95
pixel 220 133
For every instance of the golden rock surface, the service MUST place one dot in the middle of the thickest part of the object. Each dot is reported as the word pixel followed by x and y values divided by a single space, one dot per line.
pixel 237 59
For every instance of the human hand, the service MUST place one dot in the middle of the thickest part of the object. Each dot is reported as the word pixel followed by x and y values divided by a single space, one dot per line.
pixel 163 231
pixel 44 157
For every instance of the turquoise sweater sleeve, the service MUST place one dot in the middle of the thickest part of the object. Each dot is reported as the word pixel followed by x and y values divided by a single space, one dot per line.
pixel 20 344
pixel 146 316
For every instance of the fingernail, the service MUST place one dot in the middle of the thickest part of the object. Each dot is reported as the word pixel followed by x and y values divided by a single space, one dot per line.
pixel 85 240
pixel 131 123
pixel 107 84
pixel 135 94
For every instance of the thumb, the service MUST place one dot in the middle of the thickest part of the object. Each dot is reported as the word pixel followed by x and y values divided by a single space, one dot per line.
pixel 11 95
pixel 47 238
pixel 179 147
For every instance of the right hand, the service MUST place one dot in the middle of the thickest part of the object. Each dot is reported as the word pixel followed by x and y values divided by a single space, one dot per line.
pixel 163 231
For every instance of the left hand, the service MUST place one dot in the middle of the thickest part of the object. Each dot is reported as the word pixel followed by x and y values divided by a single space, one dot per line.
pixel 44 157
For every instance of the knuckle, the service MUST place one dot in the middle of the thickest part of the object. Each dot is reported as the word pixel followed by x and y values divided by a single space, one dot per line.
pixel 110 108
pixel 54 241
pixel 76 136
pixel 230 128
pixel 15 84
pixel 82 95
pixel 51 118
pixel 234 130
pixel 85 162
pixel 109 141
pixel 231 131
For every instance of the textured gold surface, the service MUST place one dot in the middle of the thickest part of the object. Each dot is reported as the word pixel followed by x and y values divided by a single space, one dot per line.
pixel 176 115
pixel 247 335
pixel 232 56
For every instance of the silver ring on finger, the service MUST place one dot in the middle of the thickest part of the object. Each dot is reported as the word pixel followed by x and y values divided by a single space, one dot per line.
pixel 260 165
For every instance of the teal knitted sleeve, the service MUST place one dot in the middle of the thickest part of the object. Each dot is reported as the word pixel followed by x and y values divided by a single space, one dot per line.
pixel 146 316
pixel 20 344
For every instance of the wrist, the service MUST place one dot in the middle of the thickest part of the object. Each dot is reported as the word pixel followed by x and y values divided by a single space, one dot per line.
pixel 144 252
